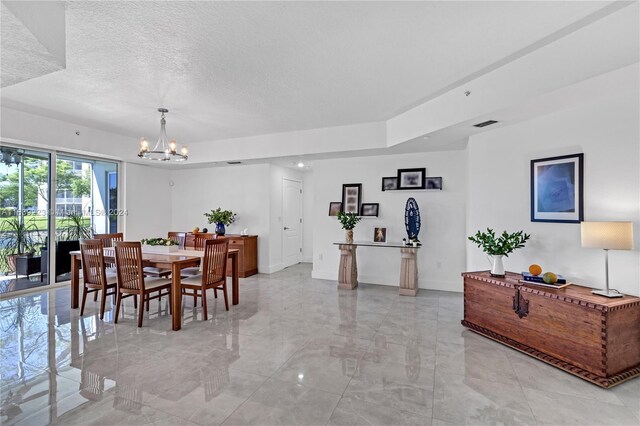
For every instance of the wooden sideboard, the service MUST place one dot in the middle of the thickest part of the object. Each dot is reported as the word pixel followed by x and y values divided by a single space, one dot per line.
pixel 595 338
pixel 247 255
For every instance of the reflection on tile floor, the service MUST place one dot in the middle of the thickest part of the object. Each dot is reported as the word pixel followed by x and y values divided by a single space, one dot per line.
pixel 296 351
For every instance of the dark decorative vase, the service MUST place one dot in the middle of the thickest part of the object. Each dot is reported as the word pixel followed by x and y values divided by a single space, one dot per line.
pixel 220 228
pixel 412 220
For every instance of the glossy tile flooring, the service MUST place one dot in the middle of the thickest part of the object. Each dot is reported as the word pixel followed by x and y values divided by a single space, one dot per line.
pixel 296 351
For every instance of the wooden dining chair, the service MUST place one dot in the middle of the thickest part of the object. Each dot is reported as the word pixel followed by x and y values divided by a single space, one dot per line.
pixel 214 273
pixel 109 239
pixel 94 272
pixel 179 237
pixel 131 279
pixel 199 242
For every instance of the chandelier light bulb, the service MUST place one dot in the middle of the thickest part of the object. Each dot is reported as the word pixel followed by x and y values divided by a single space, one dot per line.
pixel 172 146
pixel 301 164
pixel 184 151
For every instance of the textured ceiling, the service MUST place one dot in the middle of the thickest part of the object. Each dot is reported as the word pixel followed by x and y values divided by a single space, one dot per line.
pixel 231 69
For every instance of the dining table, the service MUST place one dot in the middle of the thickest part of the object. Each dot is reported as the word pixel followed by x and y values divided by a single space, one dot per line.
pixel 175 261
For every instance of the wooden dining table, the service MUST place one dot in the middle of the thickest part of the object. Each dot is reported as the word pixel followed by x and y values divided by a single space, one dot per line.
pixel 176 261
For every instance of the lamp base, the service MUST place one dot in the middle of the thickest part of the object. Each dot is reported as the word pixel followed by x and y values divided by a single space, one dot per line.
pixel 607 293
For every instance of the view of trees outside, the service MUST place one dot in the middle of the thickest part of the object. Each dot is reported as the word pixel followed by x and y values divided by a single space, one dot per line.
pixel 73 192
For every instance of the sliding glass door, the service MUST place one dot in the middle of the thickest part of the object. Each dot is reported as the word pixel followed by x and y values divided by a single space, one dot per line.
pixel 84 203
pixel 86 191
pixel 25 177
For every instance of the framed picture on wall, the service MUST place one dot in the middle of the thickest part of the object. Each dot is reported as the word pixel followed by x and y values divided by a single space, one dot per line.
pixel 380 235
pixel 334 208
pixel 351 197
pixel 433 183
pixel 390 183
pixel 556 189
pixel 411 178
pixel 369 209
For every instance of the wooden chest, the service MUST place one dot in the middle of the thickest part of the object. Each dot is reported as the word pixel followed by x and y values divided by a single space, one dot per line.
pixel 590 336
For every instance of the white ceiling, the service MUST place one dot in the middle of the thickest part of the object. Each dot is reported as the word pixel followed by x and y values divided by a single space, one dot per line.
pixel 232 69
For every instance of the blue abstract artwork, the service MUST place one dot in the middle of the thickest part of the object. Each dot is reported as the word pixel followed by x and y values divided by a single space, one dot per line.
pixel 556 189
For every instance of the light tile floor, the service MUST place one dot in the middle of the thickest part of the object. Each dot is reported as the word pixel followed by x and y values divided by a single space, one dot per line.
pixel 296 351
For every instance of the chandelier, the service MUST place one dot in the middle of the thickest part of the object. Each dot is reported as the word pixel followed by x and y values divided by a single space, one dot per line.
pixel 10 156
pixel 165 149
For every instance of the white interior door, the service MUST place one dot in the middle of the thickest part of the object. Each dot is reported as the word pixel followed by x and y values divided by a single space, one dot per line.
pixel 292 222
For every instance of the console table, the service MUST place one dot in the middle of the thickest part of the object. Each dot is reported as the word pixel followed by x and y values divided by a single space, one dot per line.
pixel 590 336
pixel 348 268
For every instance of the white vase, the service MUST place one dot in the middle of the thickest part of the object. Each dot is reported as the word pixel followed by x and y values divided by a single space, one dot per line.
pixel 497 268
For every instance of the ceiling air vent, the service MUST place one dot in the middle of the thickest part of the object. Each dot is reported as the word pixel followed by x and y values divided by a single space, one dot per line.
pixel 485 123
pixel 234 162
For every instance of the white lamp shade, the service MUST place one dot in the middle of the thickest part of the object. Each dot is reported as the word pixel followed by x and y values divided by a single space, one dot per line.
pixel 607 235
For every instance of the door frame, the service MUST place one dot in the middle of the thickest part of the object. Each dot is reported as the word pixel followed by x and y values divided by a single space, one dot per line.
pixel 282 234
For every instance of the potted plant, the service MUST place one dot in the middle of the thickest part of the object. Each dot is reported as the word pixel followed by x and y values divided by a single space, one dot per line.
pixel 77 227
pixel 221 218
pixel 348 222
pixel 18 240
pixel 497 247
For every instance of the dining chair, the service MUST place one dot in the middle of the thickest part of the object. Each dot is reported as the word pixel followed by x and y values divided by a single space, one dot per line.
pixel 179 237
pixel 214 274
pixel 94 273
pixel 109 239
pixel 131 279
pixel 199 242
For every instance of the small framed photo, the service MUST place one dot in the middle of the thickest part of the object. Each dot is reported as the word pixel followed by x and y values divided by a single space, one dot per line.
pixel 411 178
pixel 390 183
pixel 369 209
pixel 380 235
pixel 351 197
pixel 556 189
pixel 433 183
pixel 334 208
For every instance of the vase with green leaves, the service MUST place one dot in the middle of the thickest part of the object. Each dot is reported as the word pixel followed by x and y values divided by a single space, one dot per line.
pixel 497 247
pixel 348 222
pixel 221 218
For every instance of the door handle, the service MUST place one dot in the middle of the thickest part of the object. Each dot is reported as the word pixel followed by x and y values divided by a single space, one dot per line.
pixel 285 228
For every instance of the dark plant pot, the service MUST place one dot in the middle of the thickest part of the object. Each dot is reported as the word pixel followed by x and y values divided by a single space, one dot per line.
pixel 220 228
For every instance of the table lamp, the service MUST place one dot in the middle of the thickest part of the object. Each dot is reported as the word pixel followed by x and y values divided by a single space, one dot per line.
pixel 607 236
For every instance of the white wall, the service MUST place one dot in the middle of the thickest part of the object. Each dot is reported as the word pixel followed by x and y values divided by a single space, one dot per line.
pixel 147 198
pixel 442 257
pixel 607 132
pixel 243 189
pixel 308 199
pixel 254 192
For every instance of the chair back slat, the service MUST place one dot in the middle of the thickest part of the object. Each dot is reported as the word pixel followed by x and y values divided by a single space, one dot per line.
pixel 129 265
pixel 93 266
pixel 109 239
pixel 201 240
pixel 214 267
pixel 179 237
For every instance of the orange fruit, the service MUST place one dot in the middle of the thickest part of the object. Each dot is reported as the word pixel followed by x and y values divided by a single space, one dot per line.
pixel 535 269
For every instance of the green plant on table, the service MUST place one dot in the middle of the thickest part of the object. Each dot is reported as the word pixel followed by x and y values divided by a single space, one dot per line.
pixel 159 242
pixel 502 245
pixel 226 217
pixel 348 220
